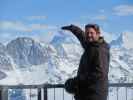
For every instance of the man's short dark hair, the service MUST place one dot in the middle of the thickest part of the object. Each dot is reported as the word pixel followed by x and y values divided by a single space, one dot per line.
pixel 94 26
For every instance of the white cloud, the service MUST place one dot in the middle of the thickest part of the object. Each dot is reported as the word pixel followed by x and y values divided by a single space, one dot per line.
pixel 6 37
pixel 13 25
pixel 12 29
pixel 37 26
pixel 100 17
pixel 36 17
pixel 24 27
pixel 123 10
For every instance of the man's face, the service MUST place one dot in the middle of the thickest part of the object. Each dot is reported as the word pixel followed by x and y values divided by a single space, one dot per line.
pixel 91 35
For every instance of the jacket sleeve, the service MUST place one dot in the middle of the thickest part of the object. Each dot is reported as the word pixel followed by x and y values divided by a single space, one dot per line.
pixel 79 33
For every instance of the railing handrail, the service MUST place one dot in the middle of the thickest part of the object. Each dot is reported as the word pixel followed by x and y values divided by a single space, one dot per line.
pixel 45 87
pixel 21 86
pixel 120 84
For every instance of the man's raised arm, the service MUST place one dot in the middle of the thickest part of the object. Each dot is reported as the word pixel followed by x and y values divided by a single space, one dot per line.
pixel 79 33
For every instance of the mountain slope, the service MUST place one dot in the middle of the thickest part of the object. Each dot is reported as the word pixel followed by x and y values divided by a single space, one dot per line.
pixel 5 62
pixel 26 52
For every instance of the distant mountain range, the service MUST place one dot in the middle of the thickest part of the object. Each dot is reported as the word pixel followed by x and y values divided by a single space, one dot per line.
pixel 59 59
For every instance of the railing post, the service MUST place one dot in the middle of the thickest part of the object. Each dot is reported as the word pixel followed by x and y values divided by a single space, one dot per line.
pixel 126 93
pixel 63 94
pixel 45 93
pixel 4 94
pixel 39 94
pixel 0 94
pixel 117 93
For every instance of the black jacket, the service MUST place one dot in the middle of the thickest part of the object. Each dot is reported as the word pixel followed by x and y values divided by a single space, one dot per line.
pixel 91 82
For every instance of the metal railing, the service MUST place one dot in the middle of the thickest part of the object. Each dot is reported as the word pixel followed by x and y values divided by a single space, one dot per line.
pixel 42 90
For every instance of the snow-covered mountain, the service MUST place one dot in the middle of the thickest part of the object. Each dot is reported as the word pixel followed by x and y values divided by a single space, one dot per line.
pixel 118 42
pixel 33 58
pixel 122 58
pixel 66 45
pixel 60 58
pixel 26 52
pixel 5 62
pixel 124 40
pixel 34 62
pixel 122 63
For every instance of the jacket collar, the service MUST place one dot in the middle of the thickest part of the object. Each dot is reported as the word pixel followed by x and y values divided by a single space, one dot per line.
pixel 98 42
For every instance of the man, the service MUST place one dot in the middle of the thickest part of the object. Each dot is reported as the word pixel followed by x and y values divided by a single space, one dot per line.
pixel 91 82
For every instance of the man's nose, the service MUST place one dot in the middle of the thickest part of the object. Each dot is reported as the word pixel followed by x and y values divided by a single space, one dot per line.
pixel 89 35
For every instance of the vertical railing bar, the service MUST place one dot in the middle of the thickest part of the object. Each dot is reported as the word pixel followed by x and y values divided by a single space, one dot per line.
pixel 4 94
pixel 0 94
pixel 108 97
pixel 7 93
pixel 72 97
pixel 126 93
pixel 45 93
pixel 108 94
pixel 54 93
pixel 39 94
pixel 117 93
pixel 63 93
pixel 30 93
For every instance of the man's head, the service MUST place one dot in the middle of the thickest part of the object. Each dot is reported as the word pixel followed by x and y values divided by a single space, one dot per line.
pixel 92 32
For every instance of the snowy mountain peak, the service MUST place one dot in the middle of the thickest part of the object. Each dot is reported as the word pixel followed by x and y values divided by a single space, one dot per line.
pixel 25 51
pixel 123 40
pixel 127 40
pixel 64 37
pixel 65 43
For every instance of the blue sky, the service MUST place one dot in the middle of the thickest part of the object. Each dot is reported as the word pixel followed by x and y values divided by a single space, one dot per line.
pixel 43 18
